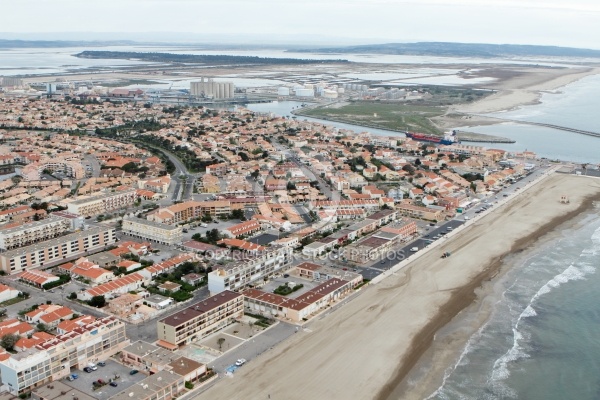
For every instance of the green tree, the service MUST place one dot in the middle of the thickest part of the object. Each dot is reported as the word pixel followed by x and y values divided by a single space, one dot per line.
pixel 42 327
pixel 237 214
pixel 220 342
pixel 8 341
pixel 97 301
pixel 73 296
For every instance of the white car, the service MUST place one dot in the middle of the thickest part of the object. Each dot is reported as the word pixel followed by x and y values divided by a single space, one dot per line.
pixel 240 362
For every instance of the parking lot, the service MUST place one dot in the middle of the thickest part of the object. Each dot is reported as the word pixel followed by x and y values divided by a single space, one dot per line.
pixel 112 370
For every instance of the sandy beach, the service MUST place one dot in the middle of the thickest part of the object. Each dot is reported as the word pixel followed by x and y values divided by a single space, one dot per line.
pixel 366 348
pixel 525 88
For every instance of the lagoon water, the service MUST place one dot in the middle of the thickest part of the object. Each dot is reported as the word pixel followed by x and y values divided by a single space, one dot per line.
pixel 574 106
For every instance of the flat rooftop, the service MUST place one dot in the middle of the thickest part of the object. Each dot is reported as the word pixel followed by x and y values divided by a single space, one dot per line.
pixel 102 196
pixel 202 307
pixel 31 225
pixel 57 390
pixel 153 224
pixel 141 348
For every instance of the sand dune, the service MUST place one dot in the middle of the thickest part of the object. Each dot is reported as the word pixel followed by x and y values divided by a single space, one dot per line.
pixel 366 348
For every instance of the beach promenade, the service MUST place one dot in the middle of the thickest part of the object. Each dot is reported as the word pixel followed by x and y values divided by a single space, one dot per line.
pixel 366 348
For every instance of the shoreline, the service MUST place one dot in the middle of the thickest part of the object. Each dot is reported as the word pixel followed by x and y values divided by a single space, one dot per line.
pixel 515 93
pixel 400 315
pixel 439 363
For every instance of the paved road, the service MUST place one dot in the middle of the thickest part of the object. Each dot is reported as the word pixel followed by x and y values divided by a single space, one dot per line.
pixel 441 229
pixel 57 296
pixel 181 189
pixel 94 163
pixel 255 346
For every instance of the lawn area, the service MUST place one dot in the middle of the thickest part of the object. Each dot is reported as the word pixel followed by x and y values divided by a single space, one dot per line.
pixel 13 301
pixel 383 115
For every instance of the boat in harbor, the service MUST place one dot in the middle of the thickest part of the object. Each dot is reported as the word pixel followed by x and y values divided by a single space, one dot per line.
pixel 448 138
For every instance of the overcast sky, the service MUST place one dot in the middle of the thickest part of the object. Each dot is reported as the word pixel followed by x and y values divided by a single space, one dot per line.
pixel 550 22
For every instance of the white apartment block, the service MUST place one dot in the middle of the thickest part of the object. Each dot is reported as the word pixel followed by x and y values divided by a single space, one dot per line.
pixel 152 231
pixel 103 203
pixel 57 250
pixel 200 319
pixel 53 359
pixel 238 275
pixel 33 232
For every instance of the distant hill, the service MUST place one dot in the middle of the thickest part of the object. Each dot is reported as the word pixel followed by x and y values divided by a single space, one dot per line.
pixel 199 58
pixel 458 50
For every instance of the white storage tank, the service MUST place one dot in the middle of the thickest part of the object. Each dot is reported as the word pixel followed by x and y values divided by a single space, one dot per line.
pixel 341 90
pixel 330 94
pixel 305 93
pixel 283 91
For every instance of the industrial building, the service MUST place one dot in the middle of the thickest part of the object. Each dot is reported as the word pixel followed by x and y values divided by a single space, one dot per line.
pixel 210 89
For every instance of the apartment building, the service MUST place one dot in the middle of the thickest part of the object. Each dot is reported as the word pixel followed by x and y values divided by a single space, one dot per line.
pixel 200 319
pixel 152 231
pixel 188 210
pixel 158 185
pixel 103 203
pixel 245 228
pixel 7 215
pixel 297 309
pixel 427 213
pixel 367 204
pixel 53 359
pixel 253 270
pixel 71 168
pixel 33 232
pixel 57 250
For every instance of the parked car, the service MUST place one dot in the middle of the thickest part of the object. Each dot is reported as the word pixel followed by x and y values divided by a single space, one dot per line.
pixel 102 364
pixel 113 384
pixel 240 362
pixel 133 372
pixel 101 382
pixel 72 377
pixel 87 369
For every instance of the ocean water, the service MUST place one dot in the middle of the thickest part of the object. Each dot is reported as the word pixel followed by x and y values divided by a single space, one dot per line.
pixel 572 106
pixel 542 340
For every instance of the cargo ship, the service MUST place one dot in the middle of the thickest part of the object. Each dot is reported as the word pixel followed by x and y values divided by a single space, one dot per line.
pixel 448 138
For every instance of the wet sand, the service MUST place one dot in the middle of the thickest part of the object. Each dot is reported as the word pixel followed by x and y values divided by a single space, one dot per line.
pixel 366 348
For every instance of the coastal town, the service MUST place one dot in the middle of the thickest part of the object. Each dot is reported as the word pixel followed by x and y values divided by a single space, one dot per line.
pixel 152 250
